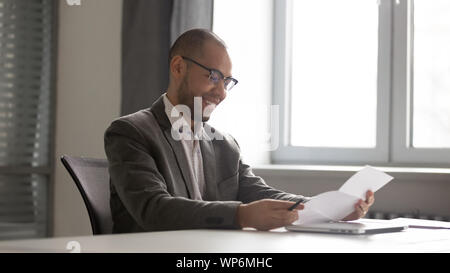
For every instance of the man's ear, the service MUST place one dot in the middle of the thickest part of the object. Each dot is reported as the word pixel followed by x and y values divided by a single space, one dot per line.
pixel 177 67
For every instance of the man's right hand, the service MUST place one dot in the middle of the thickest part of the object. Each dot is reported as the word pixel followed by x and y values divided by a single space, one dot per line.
pixel 267 214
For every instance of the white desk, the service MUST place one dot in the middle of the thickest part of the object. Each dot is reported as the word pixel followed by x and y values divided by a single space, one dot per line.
pixel 240 241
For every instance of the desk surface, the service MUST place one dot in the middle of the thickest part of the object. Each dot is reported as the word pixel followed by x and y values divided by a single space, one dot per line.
pixel 240 241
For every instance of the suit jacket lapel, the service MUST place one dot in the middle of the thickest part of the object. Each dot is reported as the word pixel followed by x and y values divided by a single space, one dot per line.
pixel 183 165
pixel 160 114
pixel 209 169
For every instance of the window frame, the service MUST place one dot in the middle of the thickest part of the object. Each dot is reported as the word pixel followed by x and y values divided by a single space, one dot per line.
pixel 403 90
pixel 394 97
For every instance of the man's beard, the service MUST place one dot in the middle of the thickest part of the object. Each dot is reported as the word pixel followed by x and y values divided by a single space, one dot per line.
pixel 185 98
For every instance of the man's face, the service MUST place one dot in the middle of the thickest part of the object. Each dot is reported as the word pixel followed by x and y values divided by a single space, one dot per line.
pixel 196 82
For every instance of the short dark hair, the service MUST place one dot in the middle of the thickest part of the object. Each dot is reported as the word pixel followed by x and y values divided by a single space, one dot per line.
pixel 190 43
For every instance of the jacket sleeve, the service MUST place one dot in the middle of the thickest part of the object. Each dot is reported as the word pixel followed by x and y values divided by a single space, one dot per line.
pixel 143 191
pixel 252 187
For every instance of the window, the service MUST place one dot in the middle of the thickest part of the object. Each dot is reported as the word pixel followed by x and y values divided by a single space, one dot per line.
pixel 352 92
pixel 25 116
pixel 244 112
pixel 431 74
pixel 333 73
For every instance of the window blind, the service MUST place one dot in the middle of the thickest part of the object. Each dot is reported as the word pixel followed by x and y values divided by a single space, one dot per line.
pixel 25 116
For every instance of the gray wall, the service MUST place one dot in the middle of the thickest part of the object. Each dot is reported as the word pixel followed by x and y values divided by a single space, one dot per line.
pixel 411 192
pixel 88 97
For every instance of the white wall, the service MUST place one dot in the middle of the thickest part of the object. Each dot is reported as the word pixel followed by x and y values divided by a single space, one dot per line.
pixel 88 97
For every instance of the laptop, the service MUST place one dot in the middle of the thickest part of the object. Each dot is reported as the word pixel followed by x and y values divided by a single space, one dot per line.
pixel 355 228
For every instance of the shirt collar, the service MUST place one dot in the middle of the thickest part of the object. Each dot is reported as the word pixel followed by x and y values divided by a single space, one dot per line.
pixel 169 108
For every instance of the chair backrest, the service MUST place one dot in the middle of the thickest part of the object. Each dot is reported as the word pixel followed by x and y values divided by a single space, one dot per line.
pixel 92 179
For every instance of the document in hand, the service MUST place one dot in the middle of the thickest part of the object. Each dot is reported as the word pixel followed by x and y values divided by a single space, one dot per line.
pixel 335 205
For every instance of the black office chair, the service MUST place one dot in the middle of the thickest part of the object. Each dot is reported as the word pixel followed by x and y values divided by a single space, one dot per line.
pixel 92 179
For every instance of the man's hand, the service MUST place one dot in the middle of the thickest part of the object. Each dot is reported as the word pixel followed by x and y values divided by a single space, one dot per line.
pixel 361 208
pixel 267 214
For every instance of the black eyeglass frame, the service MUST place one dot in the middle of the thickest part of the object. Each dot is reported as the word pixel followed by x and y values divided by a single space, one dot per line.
pixel 226 80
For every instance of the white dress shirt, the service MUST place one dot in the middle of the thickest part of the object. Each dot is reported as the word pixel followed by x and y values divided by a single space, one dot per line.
pixel 191 148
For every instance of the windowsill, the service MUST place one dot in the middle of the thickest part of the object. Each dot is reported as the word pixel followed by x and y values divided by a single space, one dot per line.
pixel 336 168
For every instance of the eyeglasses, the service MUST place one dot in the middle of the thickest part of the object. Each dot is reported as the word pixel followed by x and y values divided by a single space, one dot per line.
pixel 215 75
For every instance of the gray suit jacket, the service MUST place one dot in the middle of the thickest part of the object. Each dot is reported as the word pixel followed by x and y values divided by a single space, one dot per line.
pixel 150 182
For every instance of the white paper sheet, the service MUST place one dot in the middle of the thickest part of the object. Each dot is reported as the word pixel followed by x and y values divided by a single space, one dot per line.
pixel 328 206
pixel 364 180
pixel 335 205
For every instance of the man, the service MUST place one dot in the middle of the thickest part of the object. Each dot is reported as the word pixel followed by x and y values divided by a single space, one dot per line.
pixel 166 176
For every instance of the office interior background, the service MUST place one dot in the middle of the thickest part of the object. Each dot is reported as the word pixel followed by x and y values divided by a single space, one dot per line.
pixel 325 88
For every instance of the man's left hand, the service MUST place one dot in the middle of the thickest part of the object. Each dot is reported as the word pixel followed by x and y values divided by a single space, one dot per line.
pixel 361 208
